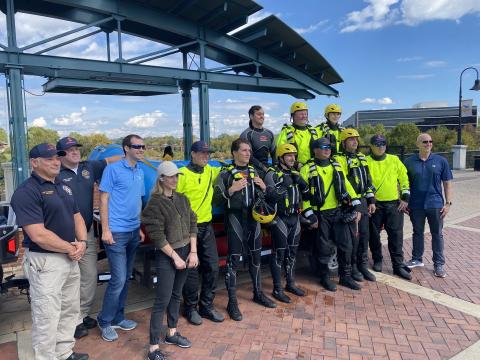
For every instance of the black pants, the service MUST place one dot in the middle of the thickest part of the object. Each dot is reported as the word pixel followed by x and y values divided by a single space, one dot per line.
pixel 244 238
pixel 388 216
pixel 286 237
pixel 333 232
pixel 360 240
pixel 167 293
pixel 207 271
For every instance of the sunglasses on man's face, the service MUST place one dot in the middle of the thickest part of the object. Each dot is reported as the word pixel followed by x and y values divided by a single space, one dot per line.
pixel 427 142
pixel 325 147
pixel 380 144
pixel 138 146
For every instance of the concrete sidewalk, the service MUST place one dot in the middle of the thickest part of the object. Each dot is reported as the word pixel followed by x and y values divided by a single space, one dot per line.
pixel 427 318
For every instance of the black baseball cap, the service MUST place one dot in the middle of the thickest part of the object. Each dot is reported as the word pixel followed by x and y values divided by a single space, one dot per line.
pixel 322 142
pixel 200 146
pixel 378 139
pixel 45 150
pixel 66 143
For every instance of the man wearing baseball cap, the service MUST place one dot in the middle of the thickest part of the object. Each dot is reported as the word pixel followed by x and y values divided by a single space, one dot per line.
pixel 197 185
pixel 54 241
pixel 81 177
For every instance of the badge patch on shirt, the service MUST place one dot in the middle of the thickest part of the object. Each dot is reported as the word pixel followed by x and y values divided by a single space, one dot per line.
pixel 263 138
pixel 434 166
pixel 47 192
pixel 86 174
pixel 67 189
pixel 67 179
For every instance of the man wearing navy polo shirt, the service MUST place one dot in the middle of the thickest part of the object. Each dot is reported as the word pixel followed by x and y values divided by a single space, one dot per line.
pixel 81 177
pixel 121 191
pixel 427 172
pixel 54 242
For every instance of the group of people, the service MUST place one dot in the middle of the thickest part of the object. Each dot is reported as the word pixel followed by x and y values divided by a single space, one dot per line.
pixel 313 177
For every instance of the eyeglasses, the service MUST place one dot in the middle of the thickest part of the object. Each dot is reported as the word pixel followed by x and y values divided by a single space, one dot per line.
pixel 137 146
pixel 325 147
pixel 380 144
pixel 427 141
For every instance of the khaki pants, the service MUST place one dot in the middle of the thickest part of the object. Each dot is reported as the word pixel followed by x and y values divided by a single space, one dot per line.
pixel 55 292
pixel 88 276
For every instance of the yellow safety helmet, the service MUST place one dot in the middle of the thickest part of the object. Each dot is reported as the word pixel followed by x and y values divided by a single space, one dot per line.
pixel 297 106
pixel 348 133
pixel 262 212
pixel 332 108
pixel 285 149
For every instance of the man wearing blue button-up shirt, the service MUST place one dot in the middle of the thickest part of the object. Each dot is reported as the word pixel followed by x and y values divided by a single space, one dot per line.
pixel 121 191
pixel 427 172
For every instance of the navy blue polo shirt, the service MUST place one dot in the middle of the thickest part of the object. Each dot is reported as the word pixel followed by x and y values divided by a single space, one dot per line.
pixel 88 173
pixel 426 179
pixel 40 201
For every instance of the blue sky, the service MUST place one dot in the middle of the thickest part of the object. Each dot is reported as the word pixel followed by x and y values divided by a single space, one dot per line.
pixel 390 53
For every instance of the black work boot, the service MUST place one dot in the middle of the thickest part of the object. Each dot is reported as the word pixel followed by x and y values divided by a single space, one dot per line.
pixel 367 275
pixel 280 296
pixel 356 274
pixel 377 265
pixel 261 299
pixel 325 280
pixel 233 310
pixel 290 274
pixel 348 281
pixel 292 288
pixel 400 271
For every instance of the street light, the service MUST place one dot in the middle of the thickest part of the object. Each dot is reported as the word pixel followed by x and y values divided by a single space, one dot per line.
pixel 475 87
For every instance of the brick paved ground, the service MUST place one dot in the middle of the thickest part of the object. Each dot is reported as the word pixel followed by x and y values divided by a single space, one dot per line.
pixel 473 223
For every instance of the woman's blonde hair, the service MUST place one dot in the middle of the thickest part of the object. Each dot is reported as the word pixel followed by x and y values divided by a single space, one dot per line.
pixel 158 187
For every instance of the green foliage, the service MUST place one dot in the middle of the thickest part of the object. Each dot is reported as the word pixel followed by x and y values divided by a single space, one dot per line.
pixel 3 135
pixel 404 134
pixel 442 138
pixel 367 131
pixel 39 135
pixel 90 141
pixel 470 137
pixel 221 146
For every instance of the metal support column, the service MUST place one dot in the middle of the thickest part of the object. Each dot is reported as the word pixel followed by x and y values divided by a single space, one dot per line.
pixel 16 109
pixel 203 99
pixel 186 87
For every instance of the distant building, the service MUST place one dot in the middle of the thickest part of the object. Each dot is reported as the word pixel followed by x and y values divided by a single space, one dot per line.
pixel 424 117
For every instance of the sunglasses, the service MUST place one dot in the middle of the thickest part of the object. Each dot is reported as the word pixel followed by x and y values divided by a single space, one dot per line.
pixel 380 144
pixel 325 147
pixel 427 142
pixel 137 147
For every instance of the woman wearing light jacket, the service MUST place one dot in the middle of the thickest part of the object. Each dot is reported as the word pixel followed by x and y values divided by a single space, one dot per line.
pixel 172 226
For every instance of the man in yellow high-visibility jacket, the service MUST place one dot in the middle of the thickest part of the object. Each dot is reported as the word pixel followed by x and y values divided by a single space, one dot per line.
pixel 300 133
pixel 196 183
pixel 388 175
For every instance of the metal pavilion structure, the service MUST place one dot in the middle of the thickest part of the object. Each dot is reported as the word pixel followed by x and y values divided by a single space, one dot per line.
pixel 267 56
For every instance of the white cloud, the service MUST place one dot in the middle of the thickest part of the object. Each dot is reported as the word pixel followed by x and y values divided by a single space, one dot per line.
pixel 148 120
pixel 73 119
pixel 408 59
pixel 39 122
pixel 380 13
pixel 435 63
pixel 382 101
pixel 415 76
pixel 311 28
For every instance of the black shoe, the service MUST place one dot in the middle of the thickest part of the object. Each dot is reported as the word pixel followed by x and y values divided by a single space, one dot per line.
pixel 193 317
pixel 177 339
pixel 234 311
pixel 328 284
pixel 280 296
pixel 348 281
pixel 78 356
pixel 291 288
pixel 356 275
pixel 402 273
pixel 89 322
pixel 261 299
pixel 156 355
pixel 211 314
pixel 80 331
pixel 367 275
pixel 377 266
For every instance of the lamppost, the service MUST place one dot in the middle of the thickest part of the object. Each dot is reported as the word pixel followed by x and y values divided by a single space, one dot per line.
pixel 476 87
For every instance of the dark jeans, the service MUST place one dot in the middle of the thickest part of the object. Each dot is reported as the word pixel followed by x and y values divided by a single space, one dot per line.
pixel 121 256
pixel 207 270
pixel 388 216
pixel 418 216
pixel 168 292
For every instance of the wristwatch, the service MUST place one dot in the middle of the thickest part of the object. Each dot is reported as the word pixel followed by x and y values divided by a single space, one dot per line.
pixel 448 203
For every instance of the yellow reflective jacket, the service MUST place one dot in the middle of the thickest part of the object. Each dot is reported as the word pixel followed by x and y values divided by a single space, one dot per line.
pixel 198 188
pixel 301 138
pixel 328 186
pixel 324 130
pixel 357 172
pixel 388 176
